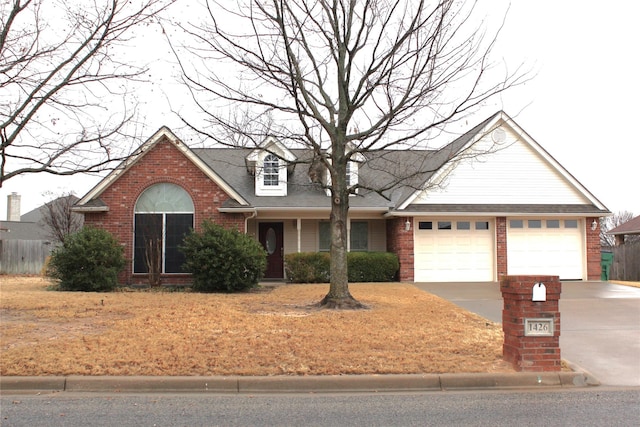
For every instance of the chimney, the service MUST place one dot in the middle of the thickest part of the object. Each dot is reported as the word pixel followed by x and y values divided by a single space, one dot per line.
pixel 13 207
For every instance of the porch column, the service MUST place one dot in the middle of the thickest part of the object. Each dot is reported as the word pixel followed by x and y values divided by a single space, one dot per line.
pixel 299 230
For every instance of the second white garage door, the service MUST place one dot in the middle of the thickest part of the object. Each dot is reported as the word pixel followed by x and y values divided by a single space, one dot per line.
pixel 545 246
pixel 458 250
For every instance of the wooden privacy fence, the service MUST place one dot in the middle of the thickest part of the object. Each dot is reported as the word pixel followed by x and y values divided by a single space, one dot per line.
pixel 23 256
pixel 626 262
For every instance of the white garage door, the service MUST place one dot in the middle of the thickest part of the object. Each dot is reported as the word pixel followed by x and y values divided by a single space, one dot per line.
pixel 545 246
pixel 458 250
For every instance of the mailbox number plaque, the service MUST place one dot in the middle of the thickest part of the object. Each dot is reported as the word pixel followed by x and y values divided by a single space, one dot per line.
pixel 538 327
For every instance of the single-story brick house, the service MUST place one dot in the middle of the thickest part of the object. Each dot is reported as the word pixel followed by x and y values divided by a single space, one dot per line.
pixel 513 210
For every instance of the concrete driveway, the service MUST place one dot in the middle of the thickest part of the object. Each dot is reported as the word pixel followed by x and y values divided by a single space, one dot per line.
pixel 600 323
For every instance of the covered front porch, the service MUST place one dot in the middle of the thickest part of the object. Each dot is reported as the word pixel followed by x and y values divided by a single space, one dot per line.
pixel 293 231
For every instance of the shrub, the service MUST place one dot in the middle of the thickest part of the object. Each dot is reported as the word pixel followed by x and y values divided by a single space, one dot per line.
pixel 89 261
pixel 223 260
pixel 307 267
pixel 372 266
pixel 314 267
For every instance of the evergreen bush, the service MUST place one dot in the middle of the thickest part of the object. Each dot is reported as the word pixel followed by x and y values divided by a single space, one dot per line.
pixel 221 259
pixel 308 267
pixel 372 266
pixel 88 261
pixel 314 267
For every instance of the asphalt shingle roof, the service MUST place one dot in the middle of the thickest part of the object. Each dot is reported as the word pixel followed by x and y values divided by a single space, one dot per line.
pixel 630 227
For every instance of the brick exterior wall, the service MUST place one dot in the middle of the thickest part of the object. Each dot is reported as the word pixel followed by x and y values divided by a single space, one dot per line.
pixel 163 163
pixel 501 246
pixel 400 242
pixel 594 266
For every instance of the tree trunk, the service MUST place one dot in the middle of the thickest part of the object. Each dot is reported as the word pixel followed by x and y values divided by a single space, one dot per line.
pixel 339 296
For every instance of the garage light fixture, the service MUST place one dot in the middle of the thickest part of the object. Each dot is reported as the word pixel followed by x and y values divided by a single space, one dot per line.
pixel 594 225
pixel 407 225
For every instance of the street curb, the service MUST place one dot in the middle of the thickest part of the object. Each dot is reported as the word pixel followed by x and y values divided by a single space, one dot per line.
pixel 296 384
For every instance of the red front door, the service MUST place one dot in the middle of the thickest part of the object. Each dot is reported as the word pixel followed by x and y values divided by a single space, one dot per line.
pixel 271 237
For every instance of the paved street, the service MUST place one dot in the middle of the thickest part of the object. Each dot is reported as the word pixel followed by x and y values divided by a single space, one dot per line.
pixel 600 323
pixel 595 406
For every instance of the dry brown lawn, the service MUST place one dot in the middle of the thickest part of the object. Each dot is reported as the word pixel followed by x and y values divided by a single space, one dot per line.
pixel 271 331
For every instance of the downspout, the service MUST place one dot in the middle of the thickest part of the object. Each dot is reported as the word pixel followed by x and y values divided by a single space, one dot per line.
pixel 247 218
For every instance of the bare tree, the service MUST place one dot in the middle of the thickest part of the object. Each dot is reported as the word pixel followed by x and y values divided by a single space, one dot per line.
pixel 63 88
pixel 342 78
pixel 58 218
pixel 609 223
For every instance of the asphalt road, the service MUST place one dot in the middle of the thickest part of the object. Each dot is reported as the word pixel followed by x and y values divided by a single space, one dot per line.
pixel 575 407
pixel 600 323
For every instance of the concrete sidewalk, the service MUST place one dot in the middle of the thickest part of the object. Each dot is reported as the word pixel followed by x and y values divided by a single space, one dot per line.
pixel 295 384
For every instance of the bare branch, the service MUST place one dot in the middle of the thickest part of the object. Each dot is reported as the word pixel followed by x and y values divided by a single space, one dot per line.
pixel 60 77
pixel 342 77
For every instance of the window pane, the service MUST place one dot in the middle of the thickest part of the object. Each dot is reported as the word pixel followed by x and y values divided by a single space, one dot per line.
pixel 444 225
pixel 553 223
pixel 571 223
pixel 164 197
pixel 359 236
pixel 516 223
pixel 482 225
pixel 324 240
pixel 148 238
pixel 178 225
pixel 535 223
pixel 463 225
pixel 425 225
pixel 271 166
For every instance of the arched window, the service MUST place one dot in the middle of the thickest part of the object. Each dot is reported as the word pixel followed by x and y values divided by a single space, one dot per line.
pixel 163 216
pixel 271 170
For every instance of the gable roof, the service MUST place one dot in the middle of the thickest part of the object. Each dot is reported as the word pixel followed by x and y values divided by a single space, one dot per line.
pixel 91 201
pixel 463 145
pixel 273 146
pixel 630 227
pixel 380 169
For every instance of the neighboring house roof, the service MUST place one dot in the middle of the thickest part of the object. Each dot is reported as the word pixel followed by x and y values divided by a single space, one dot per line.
pixel 31 225
pixel 628 228
pixel 36 214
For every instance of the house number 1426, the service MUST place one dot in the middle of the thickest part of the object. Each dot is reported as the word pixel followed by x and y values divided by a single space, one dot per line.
pixel 538 327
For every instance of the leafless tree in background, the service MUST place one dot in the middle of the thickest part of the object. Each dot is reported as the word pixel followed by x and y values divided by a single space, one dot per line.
pixel 58 218
pixel 343 78
pixel 64 96
pixel 609 223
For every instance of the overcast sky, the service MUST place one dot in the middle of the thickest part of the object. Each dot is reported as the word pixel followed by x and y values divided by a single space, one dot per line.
pixel 581 106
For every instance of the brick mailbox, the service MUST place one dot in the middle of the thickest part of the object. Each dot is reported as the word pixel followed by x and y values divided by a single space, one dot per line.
pixel 531 322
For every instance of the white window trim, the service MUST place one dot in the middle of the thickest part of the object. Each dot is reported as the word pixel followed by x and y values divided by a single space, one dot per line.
pixel 270 190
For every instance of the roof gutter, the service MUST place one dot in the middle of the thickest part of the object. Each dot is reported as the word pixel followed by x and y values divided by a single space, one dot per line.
pixel 299 209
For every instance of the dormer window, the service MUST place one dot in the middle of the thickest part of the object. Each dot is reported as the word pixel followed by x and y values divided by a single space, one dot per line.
pixel 271 170
pixel 270 164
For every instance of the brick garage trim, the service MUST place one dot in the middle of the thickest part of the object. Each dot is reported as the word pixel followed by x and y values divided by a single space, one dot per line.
pixel 400 241
pixel 594 262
